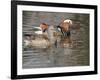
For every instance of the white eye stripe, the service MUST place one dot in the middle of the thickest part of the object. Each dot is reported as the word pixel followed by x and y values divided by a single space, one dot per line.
pixel 68 20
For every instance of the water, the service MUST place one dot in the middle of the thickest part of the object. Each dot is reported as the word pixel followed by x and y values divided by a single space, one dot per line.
pixel 73 51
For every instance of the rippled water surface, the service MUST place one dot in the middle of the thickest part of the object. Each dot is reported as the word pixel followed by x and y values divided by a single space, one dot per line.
pixel 73 51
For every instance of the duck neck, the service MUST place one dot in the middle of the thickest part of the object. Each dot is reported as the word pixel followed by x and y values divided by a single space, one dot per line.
pixel 44 30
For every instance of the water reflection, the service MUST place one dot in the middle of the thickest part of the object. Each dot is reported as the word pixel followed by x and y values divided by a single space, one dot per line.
pixel 66 42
